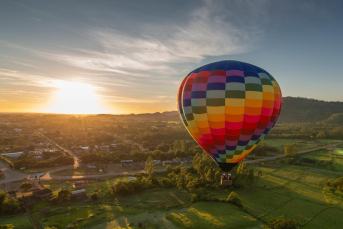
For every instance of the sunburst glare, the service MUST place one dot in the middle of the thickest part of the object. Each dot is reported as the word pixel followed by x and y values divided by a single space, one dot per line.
pixel 75 98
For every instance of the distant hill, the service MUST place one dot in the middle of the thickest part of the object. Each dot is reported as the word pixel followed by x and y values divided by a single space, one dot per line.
pixel 294 110
pixel 297 109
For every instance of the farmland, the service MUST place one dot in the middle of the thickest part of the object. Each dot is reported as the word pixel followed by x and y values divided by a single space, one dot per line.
pixel 295 191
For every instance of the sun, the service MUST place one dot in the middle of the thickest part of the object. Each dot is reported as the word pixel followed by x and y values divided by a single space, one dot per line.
pixel 75 98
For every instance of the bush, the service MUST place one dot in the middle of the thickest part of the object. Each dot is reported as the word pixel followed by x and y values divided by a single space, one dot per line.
pixel 166 182
pixel 234 199
pixel 94 196
pixel 282 223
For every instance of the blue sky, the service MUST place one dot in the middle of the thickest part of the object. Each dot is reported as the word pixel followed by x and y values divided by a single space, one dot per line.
pixel 134 54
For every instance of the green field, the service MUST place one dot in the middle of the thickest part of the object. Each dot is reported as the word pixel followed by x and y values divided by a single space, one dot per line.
pixel 295 191
pixel 19 221
pixel 213 215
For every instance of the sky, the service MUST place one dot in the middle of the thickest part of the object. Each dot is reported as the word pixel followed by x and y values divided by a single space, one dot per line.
pixel 122 57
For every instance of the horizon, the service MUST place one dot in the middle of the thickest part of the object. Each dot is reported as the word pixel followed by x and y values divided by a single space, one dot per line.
pixel 124 58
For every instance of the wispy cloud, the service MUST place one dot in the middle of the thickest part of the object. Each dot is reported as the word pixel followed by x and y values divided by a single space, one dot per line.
pixel 156 46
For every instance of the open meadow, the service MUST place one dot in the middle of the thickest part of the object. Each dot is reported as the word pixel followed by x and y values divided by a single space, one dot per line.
pixel 296 191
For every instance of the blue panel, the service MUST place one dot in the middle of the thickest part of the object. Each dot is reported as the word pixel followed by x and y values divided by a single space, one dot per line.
pixel 221 152
pixel 221 65
pixel 233 65
pixel 255 137
pixel 247 67
pixel 207 67
pixel 216 86
pixel 198 94
pixel 251 73
pixel 187 102
pixel 243 143
pixel 238 79
pixel 230 147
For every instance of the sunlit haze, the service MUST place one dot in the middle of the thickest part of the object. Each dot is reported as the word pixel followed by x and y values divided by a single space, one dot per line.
pixel 75 98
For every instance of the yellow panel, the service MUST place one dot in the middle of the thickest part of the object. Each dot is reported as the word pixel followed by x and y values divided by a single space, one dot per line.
pixel 268 88
pixel 235 102
pixel 253 102
pixel 234 110
pixel 216 117
pixel 215 110
pixel 201 124
pixel 253 95
pixel 268 96
pixel 200 117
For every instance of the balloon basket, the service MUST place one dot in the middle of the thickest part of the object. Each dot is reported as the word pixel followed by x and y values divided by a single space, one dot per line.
pixel 226 179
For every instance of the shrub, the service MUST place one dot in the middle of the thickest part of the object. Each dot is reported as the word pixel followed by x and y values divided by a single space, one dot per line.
pixel 282 223
pixel 234 199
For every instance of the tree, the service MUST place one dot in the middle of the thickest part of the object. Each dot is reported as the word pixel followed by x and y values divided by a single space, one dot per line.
pixel 282 223
pixel 7 226
pixel 150 166
pixel 291 150
pixel 26 186
pixel 94 196
pixel 234 199
pixel 243 177
pixel 64 194
pixel 3 196
pixel 10 205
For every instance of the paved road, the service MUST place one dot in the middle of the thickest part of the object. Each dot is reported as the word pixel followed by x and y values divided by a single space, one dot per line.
pixel 283 155
pixel 10 174
pixel 76 158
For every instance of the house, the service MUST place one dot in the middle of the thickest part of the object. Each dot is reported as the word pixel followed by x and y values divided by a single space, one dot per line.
pixel 81 193
pixel 42 194
pixel 12 155
pixel 157 162
pixel 165 163
pixel 126 162
pixel 79 184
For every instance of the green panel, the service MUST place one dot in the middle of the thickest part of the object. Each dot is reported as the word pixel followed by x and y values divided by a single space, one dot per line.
pixel 253 87
pixel 215 102
pixel 235 94
pixel 199 110
pixel 266 82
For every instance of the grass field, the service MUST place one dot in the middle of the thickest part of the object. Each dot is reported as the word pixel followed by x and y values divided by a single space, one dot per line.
pixel 213 215
pixel 295 191
pixel 18 221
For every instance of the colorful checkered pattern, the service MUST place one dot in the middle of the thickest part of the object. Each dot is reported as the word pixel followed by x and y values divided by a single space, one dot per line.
pixel 229 107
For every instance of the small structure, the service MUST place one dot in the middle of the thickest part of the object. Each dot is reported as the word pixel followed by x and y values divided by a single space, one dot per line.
pixel 79 194
pixel 226 179
pixel 42 194
pixel 79 184
pixel 165 163
pixel 125 163
pixel 44 210
pixel 157 162
pixel 13 155
pixel 91 166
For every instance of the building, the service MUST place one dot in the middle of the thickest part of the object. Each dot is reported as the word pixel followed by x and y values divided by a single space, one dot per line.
pixel 157 162
pixel 78 194
pixel 126 162
pixel 42 194
pixel 165 163
pixel 12 155
pixel 79 184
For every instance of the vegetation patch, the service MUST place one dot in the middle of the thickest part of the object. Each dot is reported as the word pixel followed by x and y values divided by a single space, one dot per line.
pixel 299 210
pixel 213 215
pixel 330 218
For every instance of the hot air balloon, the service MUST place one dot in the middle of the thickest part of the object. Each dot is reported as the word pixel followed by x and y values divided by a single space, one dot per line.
pixel 228 107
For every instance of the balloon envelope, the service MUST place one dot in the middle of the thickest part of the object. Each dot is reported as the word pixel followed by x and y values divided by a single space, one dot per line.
pixel 228 107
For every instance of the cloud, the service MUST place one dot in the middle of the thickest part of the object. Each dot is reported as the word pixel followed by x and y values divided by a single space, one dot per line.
pixel 156 47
